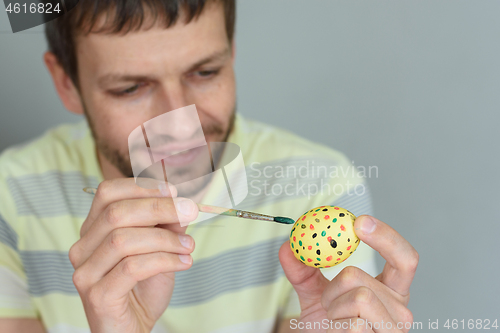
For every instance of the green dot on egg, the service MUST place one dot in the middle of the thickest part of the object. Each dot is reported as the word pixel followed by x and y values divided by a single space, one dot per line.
pixel 300 243
pixel 323 233
pixel 301 257
pixel 334 220
pixel 318 259
pixel 338 234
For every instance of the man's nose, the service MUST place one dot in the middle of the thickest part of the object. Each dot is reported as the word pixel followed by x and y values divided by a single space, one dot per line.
pixel 176 120
pixel 173 94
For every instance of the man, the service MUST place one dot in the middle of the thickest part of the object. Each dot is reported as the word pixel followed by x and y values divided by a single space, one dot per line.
pixel 122 64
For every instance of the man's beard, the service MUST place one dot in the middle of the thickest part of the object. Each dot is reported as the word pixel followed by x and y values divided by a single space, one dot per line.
pixel 122 160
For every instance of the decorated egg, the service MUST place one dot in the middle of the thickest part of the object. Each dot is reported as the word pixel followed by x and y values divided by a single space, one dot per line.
pixel 324 236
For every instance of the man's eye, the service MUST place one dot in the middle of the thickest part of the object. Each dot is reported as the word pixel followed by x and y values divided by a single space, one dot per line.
pixel 128 91
pixel 131 89
pixel 205 74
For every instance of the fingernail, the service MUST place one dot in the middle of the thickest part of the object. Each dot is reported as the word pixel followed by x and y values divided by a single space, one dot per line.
pixel 185 206
pixel 368 225
pixel 185 258
pixel 164 190
pixel 186 241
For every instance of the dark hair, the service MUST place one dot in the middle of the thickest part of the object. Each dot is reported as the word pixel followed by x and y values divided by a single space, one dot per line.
pixel 121 17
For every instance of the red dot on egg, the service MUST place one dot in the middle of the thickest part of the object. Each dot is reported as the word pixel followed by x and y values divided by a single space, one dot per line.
pixel 303 218
pixel 329 258
pixel 338 259
pixel 315 214
pixel 312 227
pixel 302 235
pixel 349 247
pixel 342 227
pixel 294 239
pixel 329 238
pixel 309 259
pixel 337 208
pixel 309 247
pixel 327 217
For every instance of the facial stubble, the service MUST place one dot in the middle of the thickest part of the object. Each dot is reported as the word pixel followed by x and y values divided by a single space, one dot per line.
pixel 122 160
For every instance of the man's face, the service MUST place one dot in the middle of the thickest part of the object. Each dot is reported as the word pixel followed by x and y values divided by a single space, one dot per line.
pixel 128 79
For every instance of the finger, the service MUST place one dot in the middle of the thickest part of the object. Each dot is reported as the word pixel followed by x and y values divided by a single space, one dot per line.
pixel 114 190
pixel 351 278
pixel 401 257
pixel 132 213
pixel 349 325
pixel 124 242
pixel 308 282
pixel 363 303
pixel 124 276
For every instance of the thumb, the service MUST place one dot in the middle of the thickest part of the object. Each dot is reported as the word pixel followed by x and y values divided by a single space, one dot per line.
pixel 308 282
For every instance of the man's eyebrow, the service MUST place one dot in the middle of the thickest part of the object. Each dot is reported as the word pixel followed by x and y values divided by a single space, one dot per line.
pixel 114 77
pixel 221 55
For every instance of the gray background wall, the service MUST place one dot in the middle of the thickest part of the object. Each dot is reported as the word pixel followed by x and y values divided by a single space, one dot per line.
pixel 411 87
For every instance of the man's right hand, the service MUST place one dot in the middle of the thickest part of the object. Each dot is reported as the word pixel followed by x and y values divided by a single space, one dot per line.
pixel 131 245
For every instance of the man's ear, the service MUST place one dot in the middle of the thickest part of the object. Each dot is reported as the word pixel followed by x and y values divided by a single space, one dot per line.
pixel 65 88
pixel 233 51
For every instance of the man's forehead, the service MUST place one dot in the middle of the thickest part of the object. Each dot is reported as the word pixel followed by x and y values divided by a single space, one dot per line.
pixel 203 37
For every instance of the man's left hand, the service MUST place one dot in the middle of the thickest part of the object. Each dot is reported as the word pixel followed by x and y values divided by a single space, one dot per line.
pixel 354 296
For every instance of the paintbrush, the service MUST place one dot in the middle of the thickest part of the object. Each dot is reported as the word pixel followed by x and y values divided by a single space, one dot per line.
pixel 228 212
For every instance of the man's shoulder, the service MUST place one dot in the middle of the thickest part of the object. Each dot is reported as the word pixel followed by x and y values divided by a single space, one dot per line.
pixel 44 178
pixel 60 148
pixel 264 142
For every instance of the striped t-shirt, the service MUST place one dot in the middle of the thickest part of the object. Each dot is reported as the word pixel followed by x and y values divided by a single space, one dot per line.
pixel 236 283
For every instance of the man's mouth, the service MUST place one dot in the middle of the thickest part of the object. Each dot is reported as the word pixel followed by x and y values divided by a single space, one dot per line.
pixel 179 158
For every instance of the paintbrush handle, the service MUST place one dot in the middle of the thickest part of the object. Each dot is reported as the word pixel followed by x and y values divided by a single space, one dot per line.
pixel 215 210
pixel 201 207
pixel 226 211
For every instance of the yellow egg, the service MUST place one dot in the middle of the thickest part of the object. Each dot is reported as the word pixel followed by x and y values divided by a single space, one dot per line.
pixel 324 236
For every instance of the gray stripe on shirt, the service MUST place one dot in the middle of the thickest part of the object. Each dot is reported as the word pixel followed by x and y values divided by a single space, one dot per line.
pixel 7 235
pixel 53 193
pixel 248 266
